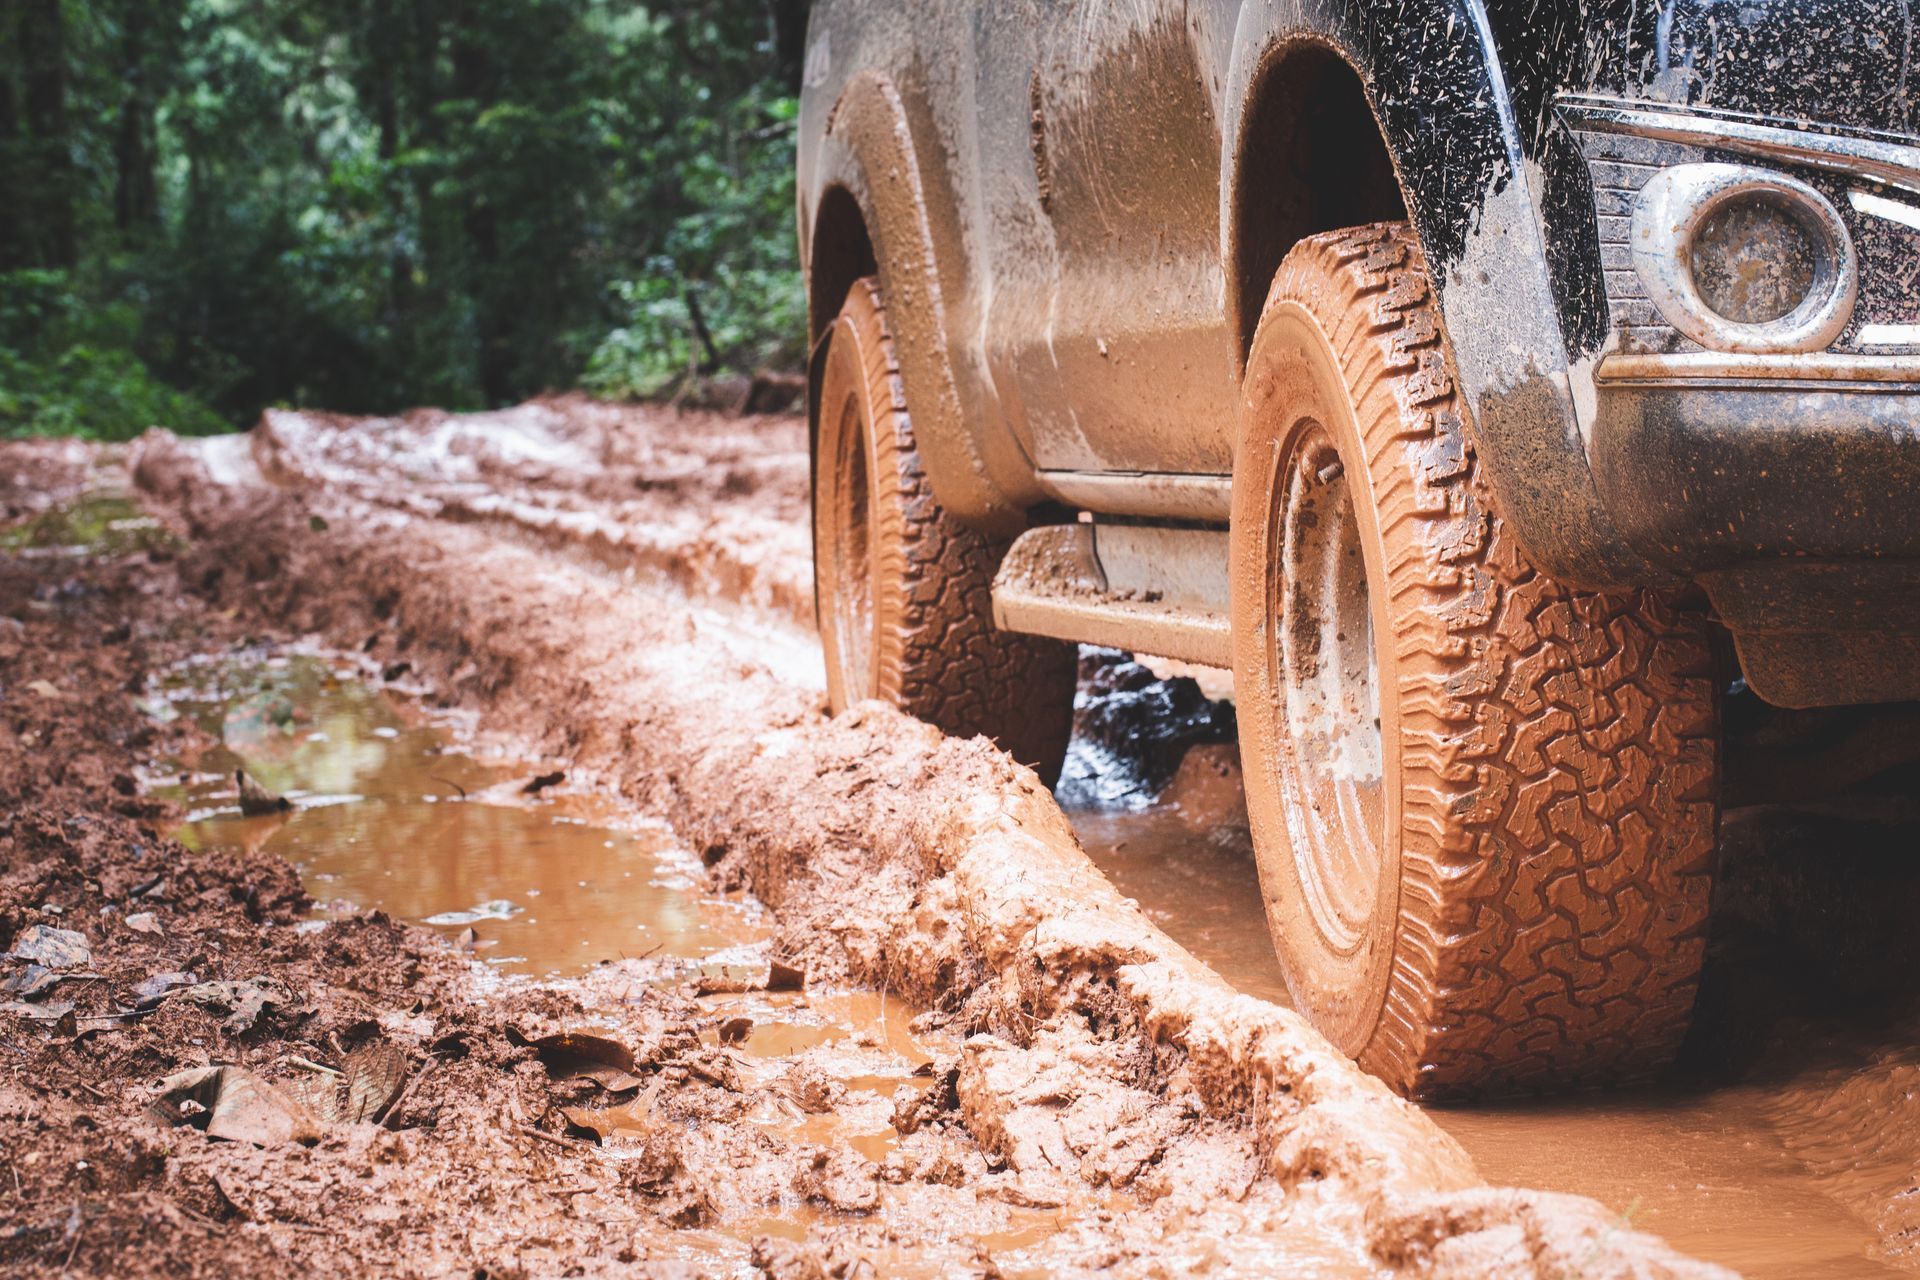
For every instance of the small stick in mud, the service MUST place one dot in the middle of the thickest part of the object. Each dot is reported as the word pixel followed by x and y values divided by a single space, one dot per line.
pixel 392 1117
pixel 256 800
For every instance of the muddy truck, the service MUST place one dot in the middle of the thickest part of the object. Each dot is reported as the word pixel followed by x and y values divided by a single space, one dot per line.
pixel 1497 389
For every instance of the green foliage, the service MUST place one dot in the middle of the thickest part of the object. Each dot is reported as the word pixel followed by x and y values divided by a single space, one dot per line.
pixel 722 268
pixel 368 204
pixel 67 368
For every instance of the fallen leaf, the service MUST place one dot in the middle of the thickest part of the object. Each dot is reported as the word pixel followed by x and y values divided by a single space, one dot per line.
pixel 468 940
pixel 370 1080
pixel 32 982
pixel 55 948
pixel 256 800
pixel 606 1122
pixel 607 1063
pixel 375 1074
pixel 150 991
pixel 51 1011
pixel 143 922
pixel 45 689
pixel 237 1105
pixel 244 1002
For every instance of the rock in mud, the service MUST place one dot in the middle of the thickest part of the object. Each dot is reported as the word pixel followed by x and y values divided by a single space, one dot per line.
pixel 52 948
pixel 1131 729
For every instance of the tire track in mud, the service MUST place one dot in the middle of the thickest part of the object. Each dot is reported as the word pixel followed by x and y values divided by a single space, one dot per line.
pixel 673 529
pixel 1098 1050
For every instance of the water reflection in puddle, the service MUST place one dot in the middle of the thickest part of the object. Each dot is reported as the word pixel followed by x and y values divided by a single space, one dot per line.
pixel 385 814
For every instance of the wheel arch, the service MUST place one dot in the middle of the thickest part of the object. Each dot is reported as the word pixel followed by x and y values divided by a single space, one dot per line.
pixel 864 210
pixel 1435 92
pixel 1310 157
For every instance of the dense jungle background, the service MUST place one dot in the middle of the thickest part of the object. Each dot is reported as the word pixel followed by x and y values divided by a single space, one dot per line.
pixel 212 206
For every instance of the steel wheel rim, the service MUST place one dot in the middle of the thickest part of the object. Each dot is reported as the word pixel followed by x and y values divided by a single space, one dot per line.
pixel 852 552
pixel 1327 688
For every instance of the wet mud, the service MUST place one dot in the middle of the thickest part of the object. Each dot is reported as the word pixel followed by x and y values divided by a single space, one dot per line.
pixel 1782 1144
pixel 187 1035
pixel 1097 1057
pixel 1023 1041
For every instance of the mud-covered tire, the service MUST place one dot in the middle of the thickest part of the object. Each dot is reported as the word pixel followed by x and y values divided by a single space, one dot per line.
pixel 1511 891
pixel 903 592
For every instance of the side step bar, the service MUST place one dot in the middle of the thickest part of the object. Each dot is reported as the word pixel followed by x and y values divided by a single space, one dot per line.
pixel 1136 587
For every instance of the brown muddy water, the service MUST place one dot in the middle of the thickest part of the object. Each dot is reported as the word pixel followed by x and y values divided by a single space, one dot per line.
pixel 1725 1171
pixel 388 814
pixel 392 809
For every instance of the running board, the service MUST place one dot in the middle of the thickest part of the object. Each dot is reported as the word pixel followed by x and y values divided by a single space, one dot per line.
pixel 1136 587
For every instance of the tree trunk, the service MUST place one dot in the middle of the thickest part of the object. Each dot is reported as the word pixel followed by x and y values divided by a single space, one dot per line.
pixel 12 168
pixel 474 82
pixel 46 192
pixel 135 194
pixel 790 40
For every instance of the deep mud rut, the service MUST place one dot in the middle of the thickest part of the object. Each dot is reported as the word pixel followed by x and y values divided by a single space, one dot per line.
pixel 986 1057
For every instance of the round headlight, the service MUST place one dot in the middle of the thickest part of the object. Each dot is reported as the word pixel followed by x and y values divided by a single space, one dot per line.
pixel 1742 259
pixel 1754 258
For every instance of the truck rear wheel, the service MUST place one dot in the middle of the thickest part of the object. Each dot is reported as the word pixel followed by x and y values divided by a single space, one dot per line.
pixel 1484 803
pixel 903 592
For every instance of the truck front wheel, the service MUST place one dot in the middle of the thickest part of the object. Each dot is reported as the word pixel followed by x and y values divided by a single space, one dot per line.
pixel 1484 803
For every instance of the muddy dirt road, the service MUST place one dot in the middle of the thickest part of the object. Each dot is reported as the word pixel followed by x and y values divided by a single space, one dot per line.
pixel 844 997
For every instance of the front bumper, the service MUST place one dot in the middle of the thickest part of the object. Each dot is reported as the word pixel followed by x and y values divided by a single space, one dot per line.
pixel 1785 483
pixel 1789 487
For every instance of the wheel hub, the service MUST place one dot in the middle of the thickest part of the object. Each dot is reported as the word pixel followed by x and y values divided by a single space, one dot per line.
pixel 852 552
pixel 1329 679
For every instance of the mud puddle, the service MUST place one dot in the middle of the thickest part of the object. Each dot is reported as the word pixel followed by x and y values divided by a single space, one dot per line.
pixel 1196 884
pixel 1708 1167
pixel 385 813
pixel 568 889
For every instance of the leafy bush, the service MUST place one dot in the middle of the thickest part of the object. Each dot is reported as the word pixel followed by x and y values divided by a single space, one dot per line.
pixel 368 206
pixel 67 368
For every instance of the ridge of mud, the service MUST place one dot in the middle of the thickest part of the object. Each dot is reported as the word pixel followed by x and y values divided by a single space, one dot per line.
pixel 1098 1049
pixel 569 486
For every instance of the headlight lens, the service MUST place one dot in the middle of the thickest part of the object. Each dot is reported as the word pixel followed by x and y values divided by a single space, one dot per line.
pixel 1744 259
pixel 1754 259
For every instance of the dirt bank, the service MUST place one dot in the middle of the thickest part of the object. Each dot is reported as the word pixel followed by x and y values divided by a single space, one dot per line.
pixel 1095 1052
pixel 134 959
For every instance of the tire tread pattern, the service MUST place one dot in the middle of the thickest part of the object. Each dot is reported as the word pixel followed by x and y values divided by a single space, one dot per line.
pixel 938 653
pixel 1559 748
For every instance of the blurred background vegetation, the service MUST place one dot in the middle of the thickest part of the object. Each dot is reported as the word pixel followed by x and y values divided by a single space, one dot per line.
pixel 212 206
